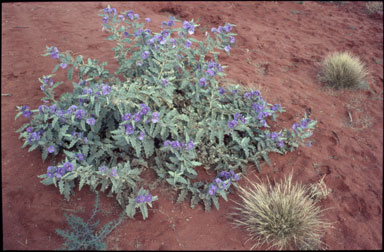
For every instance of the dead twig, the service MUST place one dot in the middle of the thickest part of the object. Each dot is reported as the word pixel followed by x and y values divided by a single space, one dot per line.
pixel 6 94
pixel 338 139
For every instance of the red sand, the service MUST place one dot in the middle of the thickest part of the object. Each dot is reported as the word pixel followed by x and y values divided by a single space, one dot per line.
pixel 279 45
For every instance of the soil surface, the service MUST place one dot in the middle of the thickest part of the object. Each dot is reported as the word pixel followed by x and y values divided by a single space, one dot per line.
pixel 278 50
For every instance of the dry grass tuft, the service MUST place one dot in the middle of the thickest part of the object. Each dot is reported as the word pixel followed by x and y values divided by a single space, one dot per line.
pixel 283 216
pixel 343 70
pixel 374 7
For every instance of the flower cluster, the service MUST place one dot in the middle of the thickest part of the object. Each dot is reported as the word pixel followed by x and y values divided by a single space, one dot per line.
pixel 219 184
pixel 58 172
pixel 144 198
pixel 34 135
pixel 189 27
pixel 213 68
pixel 26 111
pixel 137 117
pixel 169 23
pixel 225 29
pixel 237 117
pixel 54 52
pixel 276 137
pixel 111 172
pixel 177 145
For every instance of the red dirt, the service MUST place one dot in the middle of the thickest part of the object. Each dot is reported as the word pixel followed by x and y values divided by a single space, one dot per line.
pixel 278 47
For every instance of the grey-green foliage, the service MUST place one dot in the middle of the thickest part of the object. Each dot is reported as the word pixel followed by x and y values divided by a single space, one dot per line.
pixel 220 129
pixel 83 235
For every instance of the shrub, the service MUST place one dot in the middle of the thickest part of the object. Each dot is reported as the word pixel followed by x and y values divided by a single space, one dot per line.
pixel 82 235
pixel 343 70
pixel 163 109
pixel 284 216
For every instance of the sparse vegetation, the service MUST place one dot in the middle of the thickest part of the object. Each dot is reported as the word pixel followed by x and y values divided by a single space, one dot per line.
pixel 343 70
pixel 284 215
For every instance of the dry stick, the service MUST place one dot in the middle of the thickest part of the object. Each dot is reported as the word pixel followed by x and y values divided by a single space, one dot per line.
pixel 338 139
pixel 6 94
pixel 350 116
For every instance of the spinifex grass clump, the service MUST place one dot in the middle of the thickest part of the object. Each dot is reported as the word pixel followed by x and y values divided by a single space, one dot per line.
pixel 343 70
pixel 163 108
pixel 284 216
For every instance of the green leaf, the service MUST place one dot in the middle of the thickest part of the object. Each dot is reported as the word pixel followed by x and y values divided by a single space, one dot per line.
pixel 97 109
pixel 55 68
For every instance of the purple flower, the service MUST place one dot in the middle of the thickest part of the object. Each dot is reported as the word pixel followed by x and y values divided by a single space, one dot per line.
pixel 242 119
pixel 232 124
pixel 225 174
pixel 105 20
pixel 281 143
pixel 145 54
pixel 68 166
pixel 42 108
pixel 220 29
pixel 126 34
pixel 148 20
pixel 211 72
pixel 155 117
pixel 113 172
pixel 303 123
pixel 71 109
pixel 79 114
pixel 121 17
pixel 54 52
pixel 91 121
pixel 232 39
pixel 102 168
pixel 79 156
pixel 236 116
pixel 106 89
pixel 212 190
pixel 173 42
pixel 164 33
pixel 142 135
pixel 294 126
pixel 27 114
pixel 171 23
pixel 186 25
pixel 148 198
pixel 188 43
pixel 63 65
pixel 203 82
pixel 126 117
pixel 227 28
pixel 129 129
pixel 235 177
pixel 136 117
pixel 137 16
pixel 165 82
pixel 87 91
pixel 130 15
pixel 29 130
pixel 51 149
pixel 139 32
pixel 274 135
pixel 190 145
pixel 60 171
pixel 309 144
pixel 175 144
pixel 85 140
pixel 214 30
pixel 140 199
pixel 167 143
pixel 218 181
pixel 227 48
pixel 42 87
pixel 145 109
pixel 221 90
